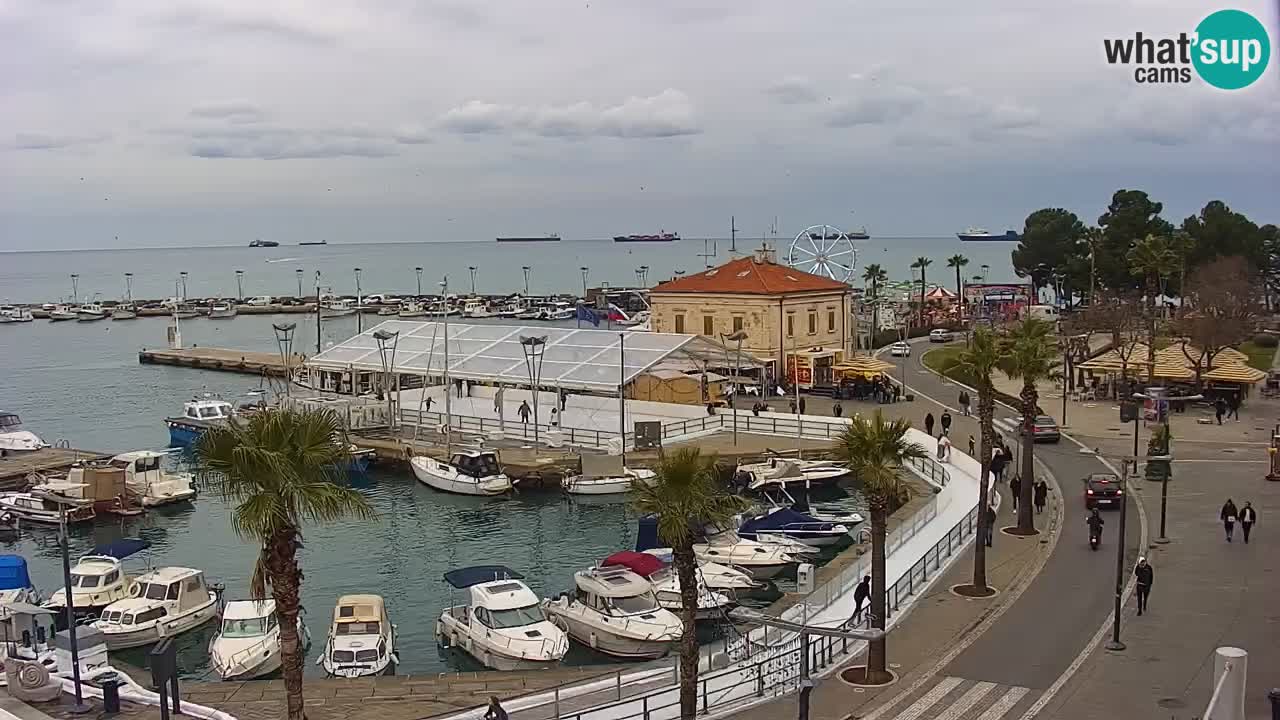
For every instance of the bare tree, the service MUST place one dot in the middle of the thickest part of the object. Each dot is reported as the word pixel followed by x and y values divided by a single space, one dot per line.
pixel 1122 317
pixel 1224 304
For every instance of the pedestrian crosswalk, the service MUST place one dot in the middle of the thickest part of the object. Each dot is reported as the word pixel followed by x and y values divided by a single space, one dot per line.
pixel 953 698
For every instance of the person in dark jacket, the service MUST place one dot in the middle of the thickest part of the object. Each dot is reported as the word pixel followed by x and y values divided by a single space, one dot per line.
pixel 997 465
pixel 1015 487
pixel 972 451
pixel 991 524
pixel 1145 575
pixel 928 423
pixel 964 403
pixel 1228 516
pixel 495 711
pixel 1219 409
pixel 946 422
pixel 1248 516
pixel 1041 489
pixel 837 410
pixel 802 406
pixel 861 594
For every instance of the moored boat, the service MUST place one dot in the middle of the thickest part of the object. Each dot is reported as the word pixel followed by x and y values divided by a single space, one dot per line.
pixel 666 584
pixel 222 310
pixel 336 307
pixel 13 439
pixel 198 416
pixel 15 581
pixel 610 483
pixel 45 507
pixel 503 626
pixel 15 314
pixel 362 640
pixel 61 313
pixel 468 472
pixel 90 312
pixel 247 644
pixel 163 603
pixel 147 480
pixel 124 311
pixel 614 611
pixel 789 523
pixel 98 579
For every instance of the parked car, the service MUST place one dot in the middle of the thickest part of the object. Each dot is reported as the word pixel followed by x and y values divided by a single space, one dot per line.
pixel 941 335
pixel 1046 429
pixel 900 349
pixel 259 301
pixel 1102 490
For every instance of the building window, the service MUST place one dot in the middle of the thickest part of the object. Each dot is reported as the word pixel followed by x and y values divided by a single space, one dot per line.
pixel 737 323
pixel 708 326
pixel 679 323
pixel 831 321
pixel 813 323
pixel 791 324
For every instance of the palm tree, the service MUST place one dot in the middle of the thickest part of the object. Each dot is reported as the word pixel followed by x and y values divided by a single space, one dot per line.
pixel 875 275
pixel 958 262
pixel 1028 355
pixel 922 263
pixel 1093 237
pixel 980 360
pixel 684 495
pixel 279 469
pixel 875 449
pixel 1153 258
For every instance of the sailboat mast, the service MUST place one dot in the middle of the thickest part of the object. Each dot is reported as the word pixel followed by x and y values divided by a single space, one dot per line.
pixel 622 398
pixel 317 312
pixel 448 387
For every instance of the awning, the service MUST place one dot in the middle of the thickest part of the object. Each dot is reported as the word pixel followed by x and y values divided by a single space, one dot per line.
pixel 1233 373
pixel 1172 371
pixel 862 365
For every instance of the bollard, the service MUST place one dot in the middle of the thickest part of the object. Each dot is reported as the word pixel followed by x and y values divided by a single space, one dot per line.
pixel 110 695
pixel 1230 667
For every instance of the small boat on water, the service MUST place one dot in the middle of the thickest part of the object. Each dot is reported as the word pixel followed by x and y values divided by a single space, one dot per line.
pixel 163 603
pixel 45 507
pixel 412 309
pixel 782 471
pixel 124 311
pixel 666 584
pixel 605 482
pixel 264 243
pixel 247 644
pixel 362 640
pixel 15 582
pixel 389 310
pixel 763 560
pixel 14 314
pixel 185 311
pixel 101 483
pixel 90 312
pixel 663 236
pixel 476 308
pixel 151 483
pixel 468 472
pixel 98 579
pixel 503 626
pixel 13 439
pixel 62 313
pixel 222 310
pixel 558 310
pixel 336 307
pixel 720 578
pixel 614 611
pixel 198 416
pixel 789 523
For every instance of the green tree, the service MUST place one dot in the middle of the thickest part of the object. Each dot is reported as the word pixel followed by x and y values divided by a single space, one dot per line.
pixel 922 263
pixel 1270 266
pixel 279 469
pixel 875 276
pixel 1132 215
pixel 1152 258
pixel 1051 237
pixel 979 361
pixel 1029 354
pixel 1219 232
pixel 875 450
pixel 684 495
pixel 1093 239
pixel 958 262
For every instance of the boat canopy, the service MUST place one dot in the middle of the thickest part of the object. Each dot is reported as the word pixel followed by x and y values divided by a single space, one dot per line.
pixel 13 572
pixel 642 564
pixel 573 359
pixel 612 582
pixel 358 609
pixel 468 576
pixel 121 549
pixel 782 519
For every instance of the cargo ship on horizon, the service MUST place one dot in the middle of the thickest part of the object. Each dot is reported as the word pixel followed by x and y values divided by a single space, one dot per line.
pixel 984 235
pixel 539 238
pixel 663 236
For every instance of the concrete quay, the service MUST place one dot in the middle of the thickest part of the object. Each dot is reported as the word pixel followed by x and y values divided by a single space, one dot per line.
pixel 211 358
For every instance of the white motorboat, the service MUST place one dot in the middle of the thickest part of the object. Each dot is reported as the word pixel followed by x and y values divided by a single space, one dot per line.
pixel 90 312
pixel 150 483
pixel 15 582
pixel 362 640
pixel 614 611
pixel 98 579
pixel 476 308
pixel 442 308
pixel 45 506
pixel 666 584
pixel 610 484
pixel 62 313
pixel 412 309
pixel 558 310
pixel 163 603
pixel 388 311
pixel 124 311
pixel 792 524
pixel 783 471
pixel 247 644
pixel 763 560
pixel 778 497
pixel 13 439
pixel 198 416
pixel 222 310
pixel 720 578
pixel 504 626
pixel 512 309
pixel 14 314
pixel 336 307
pixel 468 472
pixel 185 311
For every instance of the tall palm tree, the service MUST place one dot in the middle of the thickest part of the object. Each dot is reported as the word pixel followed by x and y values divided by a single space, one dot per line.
pixel 1154 258
pixel 1028 355
pixel 684 495
pixel 980 359
pixel 958 262
pixel 279 469
pixel 875 275
pixel 922 263
pixel 875 450
pixel 1093 237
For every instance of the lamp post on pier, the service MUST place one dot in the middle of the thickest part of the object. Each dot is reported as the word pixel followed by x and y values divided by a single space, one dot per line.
pixel 359 319
pixel 298 273
pixel 472 268
pixel 240 284
pixel 534 347
pixel 183 275
pixel 75 288
pixel 584 270
pixel 284 341
pixel 526 270
pixel 419 271
pixel 737 336
pixel 387 342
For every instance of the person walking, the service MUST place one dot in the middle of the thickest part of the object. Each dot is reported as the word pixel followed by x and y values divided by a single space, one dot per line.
pixel 944 449
pixel 428 403
pixel 1233 408
pixel 861 594
pixel 793 407
pixel 802 406
pixel 1041 489
pixel 837 410
pixel 1145 575
pixel 972 451
pixel 1015 487
pixel 495 711
pixel 524 411
pixel 755 409
pixel 897 392
pixel 946 422
pixel 1219 409
pixel 928 423
pixel 997 465
pixel 1228 516
pixel 991 523
pixel 1248 516
pixel 964 403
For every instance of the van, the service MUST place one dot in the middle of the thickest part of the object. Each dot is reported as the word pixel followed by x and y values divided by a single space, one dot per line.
pixel 259 301
pixel 941 335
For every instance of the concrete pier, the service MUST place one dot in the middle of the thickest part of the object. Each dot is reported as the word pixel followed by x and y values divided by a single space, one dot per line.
pixel 211 358
pixel 15 468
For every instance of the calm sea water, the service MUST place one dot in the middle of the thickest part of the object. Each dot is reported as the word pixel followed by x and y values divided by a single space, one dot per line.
pixel 31 277
pixel 81 382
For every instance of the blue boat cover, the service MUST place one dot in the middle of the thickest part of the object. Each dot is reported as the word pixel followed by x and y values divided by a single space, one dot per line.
pixel 13 572
pixel 468 576
pixel 647 534
pixel 779 520
pixel 121 549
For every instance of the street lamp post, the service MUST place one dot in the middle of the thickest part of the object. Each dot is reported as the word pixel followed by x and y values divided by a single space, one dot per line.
pixel 183 275
pixel 359 319
pixel 526 269
pixel 534 347
pixel 128 287
pixel 738 336
pixel 472 268
pixel 79 707
pixel 298 273
pixel 622 397
pixel 75 287
pixel 584 270
pixel 240 284
pixel 388 340
pixel 284 341
pixel 419 271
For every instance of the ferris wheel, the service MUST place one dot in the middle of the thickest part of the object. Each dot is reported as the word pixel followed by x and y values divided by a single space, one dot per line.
pixel 824 250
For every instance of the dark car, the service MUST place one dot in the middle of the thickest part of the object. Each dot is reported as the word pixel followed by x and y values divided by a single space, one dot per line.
pixel 1102 490
pixel 1046 429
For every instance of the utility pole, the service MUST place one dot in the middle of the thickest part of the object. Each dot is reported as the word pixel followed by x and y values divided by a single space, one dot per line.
pixel 733 235
pixel 1114 644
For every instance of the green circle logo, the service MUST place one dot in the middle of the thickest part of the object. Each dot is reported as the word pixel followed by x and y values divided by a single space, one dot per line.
pixel 1232 49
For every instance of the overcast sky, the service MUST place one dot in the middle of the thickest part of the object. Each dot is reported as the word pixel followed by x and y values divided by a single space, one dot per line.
pixel 181 122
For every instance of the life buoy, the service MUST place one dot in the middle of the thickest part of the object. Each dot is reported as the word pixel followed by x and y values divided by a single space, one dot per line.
pixel 135 589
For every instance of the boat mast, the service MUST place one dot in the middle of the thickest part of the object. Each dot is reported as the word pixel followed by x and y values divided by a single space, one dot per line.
pixel 318 317
pixel 448 387
pixel 622 398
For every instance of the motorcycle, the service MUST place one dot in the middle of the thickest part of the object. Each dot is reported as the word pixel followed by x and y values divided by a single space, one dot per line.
pixel 1095 538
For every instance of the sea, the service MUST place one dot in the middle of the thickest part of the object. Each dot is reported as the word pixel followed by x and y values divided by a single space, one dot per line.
pixel 81 384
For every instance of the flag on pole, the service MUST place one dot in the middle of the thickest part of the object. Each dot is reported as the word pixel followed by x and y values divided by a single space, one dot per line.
pixel 586 314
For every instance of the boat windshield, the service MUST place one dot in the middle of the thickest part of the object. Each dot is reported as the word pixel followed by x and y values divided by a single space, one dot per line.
pixel 343 656
pixel 516 617
pixel 156 591
pixel 248 627
pixel 635 603
pixel 9 422
pixel 357 628
pixel 85 581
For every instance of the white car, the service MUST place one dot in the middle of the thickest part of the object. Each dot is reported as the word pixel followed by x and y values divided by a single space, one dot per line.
pixel 900 349
pixel 259 301
pixel 941 335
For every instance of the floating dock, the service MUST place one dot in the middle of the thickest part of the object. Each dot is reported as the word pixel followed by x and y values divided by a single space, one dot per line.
pixel 211 358
pixel 15 468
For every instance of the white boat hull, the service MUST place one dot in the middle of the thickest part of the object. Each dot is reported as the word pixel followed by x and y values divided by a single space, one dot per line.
pixel 124 315
pixel 169 627
pixel 168 499
pixel 445 478
pixel 337 313
pixel 575 485
pixel 611 643
pixel 452 633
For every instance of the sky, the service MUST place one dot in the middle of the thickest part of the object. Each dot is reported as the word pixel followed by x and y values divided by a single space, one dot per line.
pixel 144 123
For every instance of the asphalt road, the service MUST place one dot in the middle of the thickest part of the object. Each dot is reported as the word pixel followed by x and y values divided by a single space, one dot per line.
pixel 1050 624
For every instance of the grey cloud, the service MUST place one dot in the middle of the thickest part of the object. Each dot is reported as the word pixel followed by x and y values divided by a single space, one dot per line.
pixel 278 143
pixel 875 110
pixel 793 90
pixel 238 112
pixel 45 141
pixel 224 19
pixel 667 114
pixel 411 135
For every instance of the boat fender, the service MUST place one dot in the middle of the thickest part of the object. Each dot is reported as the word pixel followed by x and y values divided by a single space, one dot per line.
pixel 594 644
pixel 6 518
pixel 135 589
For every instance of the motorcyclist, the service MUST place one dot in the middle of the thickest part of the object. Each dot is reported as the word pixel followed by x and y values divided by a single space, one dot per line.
pixel 1095 525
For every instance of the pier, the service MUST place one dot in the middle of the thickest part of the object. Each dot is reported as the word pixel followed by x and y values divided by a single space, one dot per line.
pixel 210 358
pixel 14 469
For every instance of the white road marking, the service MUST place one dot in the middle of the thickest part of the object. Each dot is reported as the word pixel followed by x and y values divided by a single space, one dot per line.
pixel 966 701
pixel 929 699
pixel 1004 704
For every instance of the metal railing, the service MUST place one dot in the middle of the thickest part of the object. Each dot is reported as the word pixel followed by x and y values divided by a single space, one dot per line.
pixel 511 428
pixel 931 471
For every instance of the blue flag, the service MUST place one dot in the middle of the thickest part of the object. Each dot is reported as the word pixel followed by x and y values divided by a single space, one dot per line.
pixel 587 314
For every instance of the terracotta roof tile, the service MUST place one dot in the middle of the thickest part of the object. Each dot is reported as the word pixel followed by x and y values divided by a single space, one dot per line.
pixel 745 276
